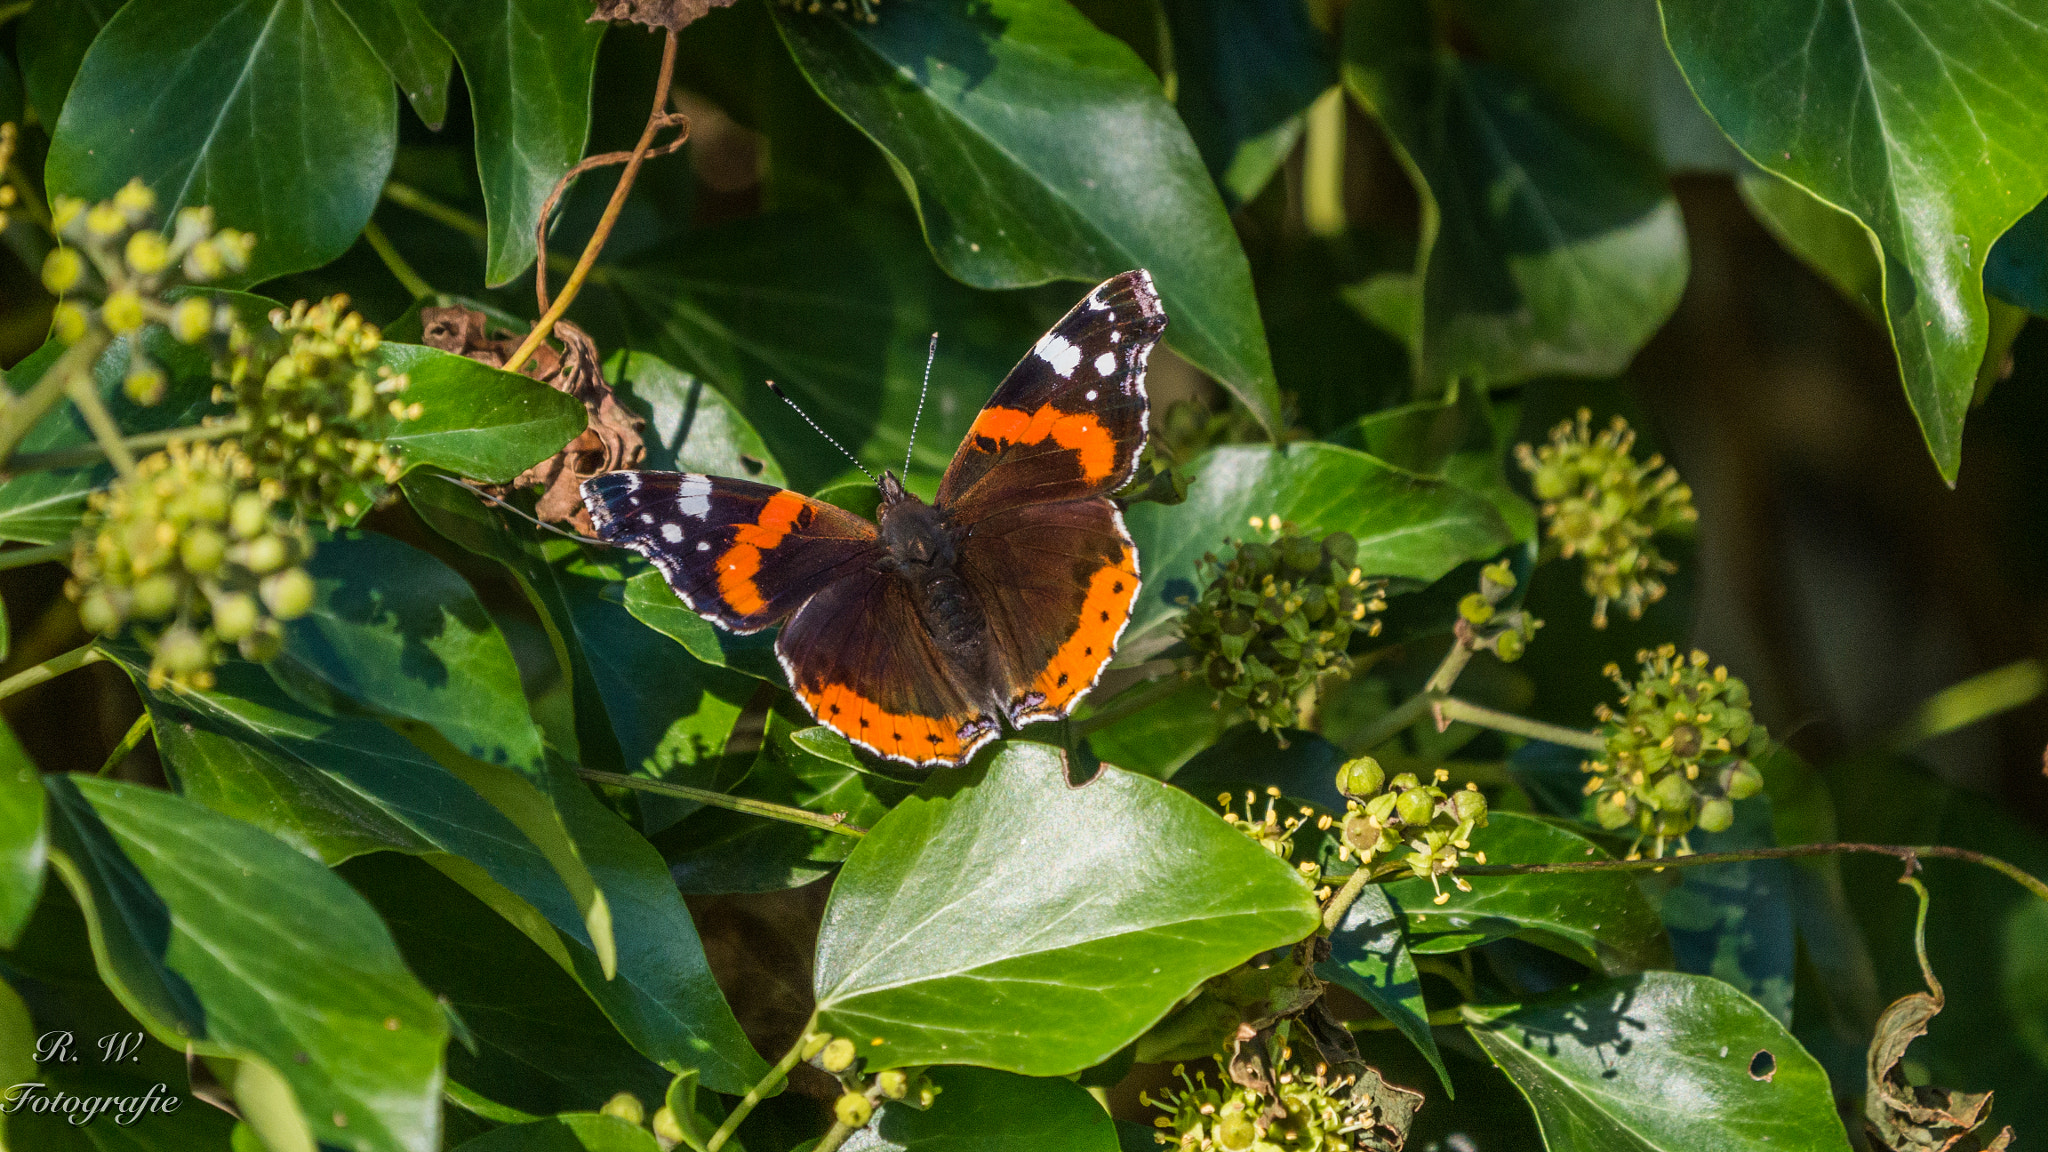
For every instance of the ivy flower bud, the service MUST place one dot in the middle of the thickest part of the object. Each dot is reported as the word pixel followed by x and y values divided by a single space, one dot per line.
pixel 69 322
pixel 1415 805
pixel 667 1128
pixel 203 262
pixel 265 554
pixel 1716 814
pixel 105 221
pixel 145 383
pixel 248 515
pixel 147 253
pixel 627 1107
pixel 64 212
pixel 191 320
pixel 122 313
pixel 235 616
pixel 63 270
pixel 853 1110
pixel 894 1083
pixel 182 650
pixel 289 594
pixel 837 1056
pixel 156 596
pixel 202 550
pixel 1361 777
pixel 135 198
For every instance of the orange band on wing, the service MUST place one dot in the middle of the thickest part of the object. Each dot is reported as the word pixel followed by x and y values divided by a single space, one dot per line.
pixel 1104 612
pixel 1079 432
pixel 742 562
pixel 919 739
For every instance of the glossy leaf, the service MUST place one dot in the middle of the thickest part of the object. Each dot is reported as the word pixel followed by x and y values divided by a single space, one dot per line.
pixel 949 941
pixel 1405 525
pixel 1598 918
pixel 1158 737
pixel 2017 270
pixel 691 426
pixel 476 421
pixel 528 67
pixel 215 919
pixel 1662 1061
pixel 982 1110
pixel 399 632
pixel 1550 245
pixel 1247 71
pixel 192 100
pixel 1036 147
pixel 1735 921
pixel 1921 119
pixel 652 602
pixel 415 55
pixel 1369 956
pixel 531 1040
pixel 53 39
pixel 1828 239
pixel 45 507
pixel 23 842
pixel 574 1132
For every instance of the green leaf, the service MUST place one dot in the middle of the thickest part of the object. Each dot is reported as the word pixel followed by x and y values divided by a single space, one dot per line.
pixel 45 507
pixel 1405 525
pixel 1550 245
pixel 528 66
pixel 534 1041
pixel 476 421
pixel 1827 239
pixel 216 919
pixel 1735 921
pixel 23 843
pixel 53 39
pixel 1600 919
pixel 399 632
pixel 655 604
pixel 982 1110
pixel 1035 148
pixel 1157 738
pixel 192 100
pixel 1247 70
pixel 574 1132
pixel 691 426
pixel 1922 119
pixel 1660 1061
pixel 18 1034
pixel 2017 270
pixel 948 939
pixel 415 55
pixel 1369 956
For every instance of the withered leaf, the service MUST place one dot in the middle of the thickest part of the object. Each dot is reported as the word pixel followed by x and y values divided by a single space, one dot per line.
pixel 1905 1118
pixel 669 14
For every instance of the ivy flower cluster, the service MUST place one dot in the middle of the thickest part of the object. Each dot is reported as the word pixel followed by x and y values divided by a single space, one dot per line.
pixel 308 393
pixel 1382 816
pixel 1482 625
pixel 112 268
pixel 859 1097
pixel 1276 617
pixel 9 135
pixel 1679 751
pixel 1304 1111
pixel 1272 831
pixel 191 554
pixel 1600 504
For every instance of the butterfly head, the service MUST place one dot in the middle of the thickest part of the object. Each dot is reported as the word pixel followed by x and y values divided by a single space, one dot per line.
pixel 915 533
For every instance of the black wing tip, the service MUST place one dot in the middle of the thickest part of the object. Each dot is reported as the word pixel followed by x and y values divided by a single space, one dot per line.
pixel 1134 287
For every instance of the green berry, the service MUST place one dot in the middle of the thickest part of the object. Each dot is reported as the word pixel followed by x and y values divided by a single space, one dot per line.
pixel 265 554
pixel 289 594
pixel 1415 806
pixel 63 270
pixel 1468 805
pixel 667 1128
pixel 627 1107
pixel 183 651
pixel 235 615
pixel 1744 781
pixel 97 613
pixel 837 1056
pixel 202 550
pixel 1716 814
pixel 1475 608
pixel 1361 777
pixel 1509 646
pixel 248 515
pixel 852 1109
pixel 156 596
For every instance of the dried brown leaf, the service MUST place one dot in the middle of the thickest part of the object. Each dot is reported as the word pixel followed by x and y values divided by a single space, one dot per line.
pixel 1905 1118
pixel 670 14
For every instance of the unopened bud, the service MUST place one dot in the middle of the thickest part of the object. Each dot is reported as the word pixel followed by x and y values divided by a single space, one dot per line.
pixel 63 270
pixel 852 1110
pixel 837 1056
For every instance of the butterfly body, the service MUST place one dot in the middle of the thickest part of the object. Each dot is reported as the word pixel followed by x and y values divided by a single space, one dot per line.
pixel 918 634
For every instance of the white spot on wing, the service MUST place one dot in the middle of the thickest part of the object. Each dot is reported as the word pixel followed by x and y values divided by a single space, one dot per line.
pixel 1091 394
pixel 672 533
pixel 703 545
pixel 693 496
pixel 1105 364
pixel 1054 350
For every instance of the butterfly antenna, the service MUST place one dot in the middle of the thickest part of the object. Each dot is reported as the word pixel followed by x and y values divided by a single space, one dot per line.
pixel 929 356
pixel 775 388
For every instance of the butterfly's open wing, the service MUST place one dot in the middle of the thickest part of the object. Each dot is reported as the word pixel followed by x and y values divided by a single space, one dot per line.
pixel 1069 420
pixel 864 663
pixel 741 555
pixel 1056 583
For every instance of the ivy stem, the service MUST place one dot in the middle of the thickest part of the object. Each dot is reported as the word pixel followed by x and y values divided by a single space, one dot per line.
pixel 1333 913
pixel 1441 1018
pixel 25 411
pixel 1410 710
pixel 407 196
pixel 831 1140
pixel 94 452
pixel 85 395
pixel 1908 853
pixel 403 272
pixel 655 121
pixel 1449 708
pixel 834 822
pixel 760 1090
pixel 50 669
pixel 136 731
pixel 41 554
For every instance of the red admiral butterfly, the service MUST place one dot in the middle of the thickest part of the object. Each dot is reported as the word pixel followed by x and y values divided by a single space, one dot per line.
pixel 1003 599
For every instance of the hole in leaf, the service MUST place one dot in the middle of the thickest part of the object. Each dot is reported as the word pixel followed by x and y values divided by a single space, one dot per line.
pixel 1763 1065
pixel 752 465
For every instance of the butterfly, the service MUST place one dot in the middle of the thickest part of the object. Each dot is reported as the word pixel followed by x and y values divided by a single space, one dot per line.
pixel 915 636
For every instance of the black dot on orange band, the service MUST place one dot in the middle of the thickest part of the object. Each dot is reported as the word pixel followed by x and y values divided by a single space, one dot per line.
pixel 863 721
pixel 1119 587
pixel 1087 651
pixel 1105 617
pixel 1063 680
pixel 835 709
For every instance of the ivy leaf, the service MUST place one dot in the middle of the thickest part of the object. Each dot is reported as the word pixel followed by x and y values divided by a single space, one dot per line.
pixel 1405 525
pixel 23 844
pixel 1662 1061
pixel 475 420
pixel 572 1132
pixel 1600 919
pixel 691 426
pixel 398 631
pixel 1247 70
pixel 1827 239
pixel 528 65
pixel 193 99
pixel 53 39
pixel 534 1042
pixel 1550 245
pixel 1369 956
pixel 1036 147
pixel 982 1110
pixel 655 604
pixel 2017 271
pixel 1921 119
pixel 948 940
pixel 415 55
pixel 203 924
